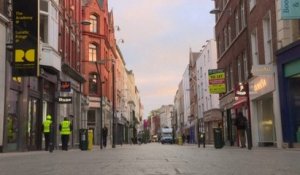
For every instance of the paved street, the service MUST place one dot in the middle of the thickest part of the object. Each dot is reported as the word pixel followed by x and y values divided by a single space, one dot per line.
pixel 153 159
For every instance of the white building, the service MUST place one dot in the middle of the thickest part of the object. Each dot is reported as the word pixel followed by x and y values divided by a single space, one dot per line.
pixel 208 104
pixel 165 113
pixel 3 39
pixel 186 95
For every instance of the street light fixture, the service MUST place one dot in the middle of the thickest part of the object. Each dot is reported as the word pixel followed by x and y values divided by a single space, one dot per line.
pixel 113 100
pixel 218 11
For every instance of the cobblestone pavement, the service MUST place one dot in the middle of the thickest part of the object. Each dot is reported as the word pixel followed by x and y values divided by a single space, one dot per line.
pixel 153 159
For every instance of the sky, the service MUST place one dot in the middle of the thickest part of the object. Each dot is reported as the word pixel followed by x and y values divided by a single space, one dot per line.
pixel 158 35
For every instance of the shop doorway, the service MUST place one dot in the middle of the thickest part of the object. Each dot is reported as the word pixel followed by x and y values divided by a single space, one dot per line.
pixel 12 122
pixel 294 105
pixel 266 125
pixel 32 131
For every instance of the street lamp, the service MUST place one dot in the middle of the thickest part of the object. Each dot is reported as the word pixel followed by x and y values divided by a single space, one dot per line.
pixel 113 100
pixel 101 101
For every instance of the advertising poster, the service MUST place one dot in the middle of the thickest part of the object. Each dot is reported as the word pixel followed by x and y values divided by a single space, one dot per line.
pixel 25 38
pixel 216 78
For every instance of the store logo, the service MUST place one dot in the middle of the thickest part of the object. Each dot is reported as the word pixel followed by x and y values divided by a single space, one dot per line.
pixel 260 85
pixel 24 56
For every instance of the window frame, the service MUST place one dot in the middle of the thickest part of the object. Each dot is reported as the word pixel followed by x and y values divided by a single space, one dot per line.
pixel 93 52
pixel 94 23
pixel 93 83
pixel 267 36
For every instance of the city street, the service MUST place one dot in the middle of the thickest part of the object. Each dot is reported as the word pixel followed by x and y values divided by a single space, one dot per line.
pixel 153 159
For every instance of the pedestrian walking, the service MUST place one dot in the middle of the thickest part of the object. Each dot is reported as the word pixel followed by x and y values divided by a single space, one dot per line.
pixel 47 131
pixel 201 139
pixel 65 129
pixel 104 135
pixel 241 125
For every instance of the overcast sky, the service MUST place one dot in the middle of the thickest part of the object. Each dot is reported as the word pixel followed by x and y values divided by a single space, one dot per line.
pixel 158 35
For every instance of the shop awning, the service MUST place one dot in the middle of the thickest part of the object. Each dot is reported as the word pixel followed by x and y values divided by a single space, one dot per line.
pixel 239 102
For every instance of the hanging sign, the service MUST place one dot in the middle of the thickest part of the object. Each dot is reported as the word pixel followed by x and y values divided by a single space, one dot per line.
pixel 25 38
pixel 65 86
pixel 216 78
pixel 290 9
pixel 64 100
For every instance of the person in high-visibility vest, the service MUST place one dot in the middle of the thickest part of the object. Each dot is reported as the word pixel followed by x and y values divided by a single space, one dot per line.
pixel 65 129
pixel 47 128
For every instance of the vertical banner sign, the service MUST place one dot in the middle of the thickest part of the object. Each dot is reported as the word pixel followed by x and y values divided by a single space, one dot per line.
pixel 25 37
pixel 216 78
pixel 290 9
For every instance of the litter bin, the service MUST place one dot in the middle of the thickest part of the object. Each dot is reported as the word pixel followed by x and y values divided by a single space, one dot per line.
pixel 298 135
pixel 83 139
pixel 180 140
pixel 218 140
pixel 90 139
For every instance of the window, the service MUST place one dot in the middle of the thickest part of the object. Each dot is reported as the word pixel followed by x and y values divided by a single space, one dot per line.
pixel 3 7
pixel 44 28
pixel 245 60
pixel 252 4
pixel 91 118
pixel 243 18
pixel 267 31
pixel 237 23
pixel 229 35
pixel 231 77
pixel 254 48
pixel 93 83
pixel 93 25
pixel 228 80
pixel 225 37
pixel 92 52
pixel 239 65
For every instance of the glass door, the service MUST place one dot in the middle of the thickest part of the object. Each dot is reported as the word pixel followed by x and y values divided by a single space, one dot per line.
pixel 32 132
pixel 12 122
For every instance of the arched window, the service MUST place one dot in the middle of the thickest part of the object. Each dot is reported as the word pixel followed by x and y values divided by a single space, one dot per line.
pixel 93 83
pixel 92 52
pixel 94 22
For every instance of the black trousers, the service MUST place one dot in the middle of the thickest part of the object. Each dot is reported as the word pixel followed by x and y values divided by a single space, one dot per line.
pixel 65 141
pixel 47 141
pixel 104 139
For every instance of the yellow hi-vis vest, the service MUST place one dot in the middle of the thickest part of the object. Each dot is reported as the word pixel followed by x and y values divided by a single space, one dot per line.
pixel 47 124
pixel 65 127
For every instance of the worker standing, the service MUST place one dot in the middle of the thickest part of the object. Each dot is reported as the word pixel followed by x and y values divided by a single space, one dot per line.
pixel 47 130
pixel 65 129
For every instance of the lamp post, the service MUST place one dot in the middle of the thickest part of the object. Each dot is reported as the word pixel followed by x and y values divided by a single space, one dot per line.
pixel 113 106
pixel 113 100
pixel 101 100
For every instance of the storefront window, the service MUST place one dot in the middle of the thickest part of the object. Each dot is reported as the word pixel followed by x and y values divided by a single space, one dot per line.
pixel 265 117
pixel 12 118
pixel 294 95
pixel 31 125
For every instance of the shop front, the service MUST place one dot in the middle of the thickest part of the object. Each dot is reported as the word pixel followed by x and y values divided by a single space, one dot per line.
pixel 262 109
pixel 228 115
pixel 212 119
pixel 288 61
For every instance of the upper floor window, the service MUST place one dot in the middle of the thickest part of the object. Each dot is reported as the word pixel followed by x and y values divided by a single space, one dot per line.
pixel 231 77
pixel 3 7
pixel 243 17
pixel 239 66
pixel 94 22
pixel 225 37
pixel 229 34
pixel 245 63
pixel 254 47
pixel 267 31
pixel 92 52
pixel 93 83
pixel 252 3
pixel 237 23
